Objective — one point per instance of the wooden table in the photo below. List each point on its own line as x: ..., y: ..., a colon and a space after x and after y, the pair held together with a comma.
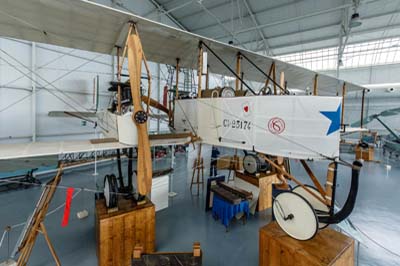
x: 118, y: 232
x: 327, y: 248
x: 264, y: 182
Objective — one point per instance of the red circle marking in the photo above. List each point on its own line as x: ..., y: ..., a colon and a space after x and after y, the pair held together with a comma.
x: 276, y: 125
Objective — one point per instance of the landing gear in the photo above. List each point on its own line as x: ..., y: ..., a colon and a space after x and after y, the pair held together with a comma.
x: 295, y: 215
x: 320, y: 208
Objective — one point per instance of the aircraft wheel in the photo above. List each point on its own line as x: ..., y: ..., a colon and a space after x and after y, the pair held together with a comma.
x: 295, y: 216
x: 320, y: 208
x: 110, y: 191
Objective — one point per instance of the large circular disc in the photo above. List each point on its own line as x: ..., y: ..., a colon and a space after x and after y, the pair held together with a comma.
x: 295, y: 216
x: 110, y: 189
x: 227, y: 92
x: 250, y: 163
x: 320, y: 208
x: 107, y: 190
x: 248, y: 93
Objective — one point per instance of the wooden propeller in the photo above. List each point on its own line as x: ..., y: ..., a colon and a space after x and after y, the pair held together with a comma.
x: 139, y: 117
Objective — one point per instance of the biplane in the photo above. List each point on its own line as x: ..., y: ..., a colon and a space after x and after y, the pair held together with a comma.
x: 270, y: 122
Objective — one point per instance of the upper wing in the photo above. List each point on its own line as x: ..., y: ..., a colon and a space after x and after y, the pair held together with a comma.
x: 93, y: 27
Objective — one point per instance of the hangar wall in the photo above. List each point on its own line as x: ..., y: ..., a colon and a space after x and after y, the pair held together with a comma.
x: 377, y: 100
x: 63, y: 79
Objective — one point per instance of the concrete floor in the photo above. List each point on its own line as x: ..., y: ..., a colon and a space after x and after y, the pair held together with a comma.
x: 377, y: 214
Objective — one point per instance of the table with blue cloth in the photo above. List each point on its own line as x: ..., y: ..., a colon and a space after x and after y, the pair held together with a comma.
x: 225, y: 210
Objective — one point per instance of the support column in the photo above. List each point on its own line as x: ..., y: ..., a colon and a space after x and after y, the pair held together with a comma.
x: 343, y: 94
x: 33, y: 96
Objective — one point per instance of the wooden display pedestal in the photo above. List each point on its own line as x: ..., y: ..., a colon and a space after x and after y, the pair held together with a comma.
x: 117, y: 233
x: 367, y: 154
x: 193, y: 258
x: 264, y: 182
x: 328, y: 247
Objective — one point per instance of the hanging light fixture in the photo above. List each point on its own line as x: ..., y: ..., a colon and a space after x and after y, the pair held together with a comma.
x: 355, y: 20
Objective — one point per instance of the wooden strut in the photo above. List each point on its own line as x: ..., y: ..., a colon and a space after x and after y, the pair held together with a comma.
x: 119, y: 80
x: 36, y: 223
x: 274, y: 78
x: 171, y: 120
x: 199, y: 70
x: 238, y: 69
x: 315, y: 181
x: 198, y: 171
x: 290, y: 177
x: 315, y: 93
x: 282, y: 81
x: 144, y: 162
x: 269, y: 74
x: 207, y: 77
x: 177, y: 80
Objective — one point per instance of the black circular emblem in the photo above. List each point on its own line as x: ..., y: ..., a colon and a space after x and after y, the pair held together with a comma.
x: 140, y: 117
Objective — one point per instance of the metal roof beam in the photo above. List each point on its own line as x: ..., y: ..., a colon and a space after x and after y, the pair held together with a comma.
x: 321, y: 12
x: 260, y: 32
x: 171, y: 17
x: 339, y: 23
x: 173, y: 9
x: 220, y: 24
x: 201, y: 11
x: 331, y: 37
x: 276, y: 8
x: 272, y: 37
x: 287, y: 20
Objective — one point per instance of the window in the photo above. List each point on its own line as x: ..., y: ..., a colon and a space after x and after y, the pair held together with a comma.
x: 385, y: 51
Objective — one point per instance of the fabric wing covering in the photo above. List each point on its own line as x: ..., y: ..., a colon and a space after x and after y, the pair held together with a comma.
x: 93, y: 27
x: 299, y: 127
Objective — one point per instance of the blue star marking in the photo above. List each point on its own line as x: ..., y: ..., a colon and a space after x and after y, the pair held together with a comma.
x: 334, y: 116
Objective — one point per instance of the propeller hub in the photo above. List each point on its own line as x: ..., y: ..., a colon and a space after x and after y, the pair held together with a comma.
x: 140, y: 117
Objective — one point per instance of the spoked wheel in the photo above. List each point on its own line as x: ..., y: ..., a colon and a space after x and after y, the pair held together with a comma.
x: 320, y: 208
x: 295, y: 216
x: 110, y: 191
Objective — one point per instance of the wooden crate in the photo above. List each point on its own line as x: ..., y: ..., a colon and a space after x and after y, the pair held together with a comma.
x: 264, y: 183
x: 168, y: 258
x: 117, y: 233
x: 328, y: 247
x: 365, y: 154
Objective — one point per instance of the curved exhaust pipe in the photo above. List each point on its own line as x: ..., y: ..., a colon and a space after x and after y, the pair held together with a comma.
x: 351, y: 198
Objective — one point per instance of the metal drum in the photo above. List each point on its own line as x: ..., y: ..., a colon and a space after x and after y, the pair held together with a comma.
x: 248, y: 93
x: 110, y: 191
x: 253, y: 164
x: 227, y: 92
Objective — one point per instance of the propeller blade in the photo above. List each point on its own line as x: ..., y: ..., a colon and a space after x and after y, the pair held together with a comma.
x: 139, y: 117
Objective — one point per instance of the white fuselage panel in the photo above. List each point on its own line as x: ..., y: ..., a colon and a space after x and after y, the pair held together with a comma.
x: 303, y: 127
